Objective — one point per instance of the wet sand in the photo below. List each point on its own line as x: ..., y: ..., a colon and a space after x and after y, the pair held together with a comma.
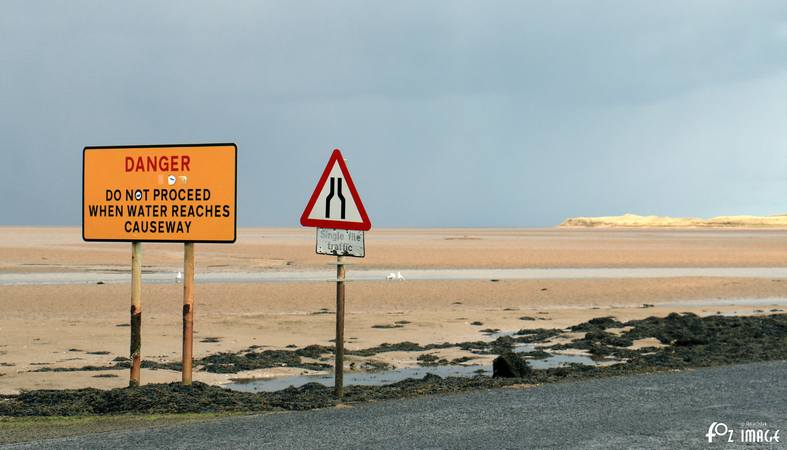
x: 361, y: 274
x: 57, y: 325
x: 62, y: 249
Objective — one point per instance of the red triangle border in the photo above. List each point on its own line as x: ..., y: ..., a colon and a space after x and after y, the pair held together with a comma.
x: 364, y: 225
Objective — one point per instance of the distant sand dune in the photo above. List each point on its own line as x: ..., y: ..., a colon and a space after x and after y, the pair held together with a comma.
x: 633, y: 220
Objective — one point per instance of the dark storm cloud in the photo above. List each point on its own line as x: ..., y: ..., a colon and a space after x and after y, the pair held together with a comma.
x: 450, y: 113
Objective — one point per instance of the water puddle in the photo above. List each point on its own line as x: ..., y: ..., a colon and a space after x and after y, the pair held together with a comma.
x: 392, y: 376
x: 359, y: 378
x: 110, y: 275
x: 558, y: 359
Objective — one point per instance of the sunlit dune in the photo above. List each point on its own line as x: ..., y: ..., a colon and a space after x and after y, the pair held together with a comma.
x: 634, y: 220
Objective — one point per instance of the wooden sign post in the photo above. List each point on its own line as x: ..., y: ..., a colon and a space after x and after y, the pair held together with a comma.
x: 160, y: 193
x: 341, y: 220
x: 136, y: 313
x: 339, y: 373
x: 188, y: 310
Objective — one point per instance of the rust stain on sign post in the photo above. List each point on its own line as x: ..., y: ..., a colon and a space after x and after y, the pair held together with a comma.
x: 136, y: 313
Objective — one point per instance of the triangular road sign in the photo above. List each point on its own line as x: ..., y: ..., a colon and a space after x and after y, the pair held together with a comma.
x: 335, y: 203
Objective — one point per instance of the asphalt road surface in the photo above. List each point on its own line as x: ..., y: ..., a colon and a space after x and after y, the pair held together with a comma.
x: 671, y: 410
x: 93, y: 277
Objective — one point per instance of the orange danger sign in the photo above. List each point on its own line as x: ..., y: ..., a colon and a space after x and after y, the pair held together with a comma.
x: 165, y: 193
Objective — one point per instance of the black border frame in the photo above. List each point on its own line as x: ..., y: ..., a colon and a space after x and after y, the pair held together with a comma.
x: 121, y: 147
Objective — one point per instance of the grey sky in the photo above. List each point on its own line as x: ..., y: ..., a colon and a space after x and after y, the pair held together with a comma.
x: 449, y: 113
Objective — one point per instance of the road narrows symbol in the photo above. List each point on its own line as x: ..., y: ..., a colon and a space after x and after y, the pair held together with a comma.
x: 341, y: 197
x: 328, y: 202
x: 334, y: 182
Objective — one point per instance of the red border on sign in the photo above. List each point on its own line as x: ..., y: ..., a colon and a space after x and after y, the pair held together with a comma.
x: 364, y: 225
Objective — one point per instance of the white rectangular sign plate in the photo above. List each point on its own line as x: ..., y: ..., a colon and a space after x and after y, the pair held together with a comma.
x: 340, y: 242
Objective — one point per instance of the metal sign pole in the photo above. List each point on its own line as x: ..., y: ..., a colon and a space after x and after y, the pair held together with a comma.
x: 339, y: 365
x: 188, y: 310
x: 136, y: 312
x: 335, y: 238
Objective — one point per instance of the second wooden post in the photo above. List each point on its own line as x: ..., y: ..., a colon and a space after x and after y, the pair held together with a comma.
x: 136, y: 313
x: 188, y: 310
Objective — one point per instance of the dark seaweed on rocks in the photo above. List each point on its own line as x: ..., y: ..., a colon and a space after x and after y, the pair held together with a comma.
x: 431, y: 360
x: 510, y: 365
x: 176, y: 398
x: 501, y: 345
x: 314, y: 351
x: 536, y: 354
x: 308, y: 396
x: 690, y: 341
x: 119, y: 363
x: 386, y: 347
x: 713, y: 340
x: 148, y: 364
x: 76, y: 369
x: 530, y: 336
x: 405, y: 346
x: 234, y: 362
x: 598, y: 324
x: 600, y: 343
x: 151, y: 398
x: 693, y: 341
x: 371, y: 365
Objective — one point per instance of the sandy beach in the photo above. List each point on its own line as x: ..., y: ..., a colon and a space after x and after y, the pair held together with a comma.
x: 57, y: 249
x: 61, y: 326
